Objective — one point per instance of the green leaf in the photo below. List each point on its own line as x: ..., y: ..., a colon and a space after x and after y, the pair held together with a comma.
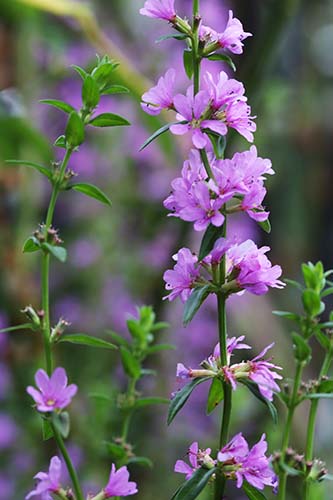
x: 265, y: 225
x: 252, y: 492
x: 302, y: 350
x: 148, y: 371
x: 193, y: 486
x: 90, y: 93
x: 24, y: 326
x: 43, y: 170
x: 83, y: 339
x: 59, y: 253
x: 101, y: 397
x: 215, y: 395
x: 47, y: 430
x: 116, y: 451
x: 311, y: 302
x: 74, y: 132
x: 31, y: 245
x: 130, y: 363
x: 287, y: 315
x: 103, y: 73
x: 115, y: 89
x: 156, y: 134
x: 319, y: 395
x: 160, y: 325
x: 108, y: 120
x: 135, y: 329
x: 291, y: 471
x: 117, y: 338
x: 212, y: 234
x: 83, y: 74
x: 63, y: 106
x: 62, y: 423
x: 176, y: 36
x: 92, y: 191
x: 325, y: 386
x: 60, y: 142
x: 255, y: 391
x: 224, y: 58
x: 294, y: 283
x: 188, y: 63
x: 194, y: 302
x: 160, y: 347
x: 144, y: 461
x: 219, y: 143
x: 323, y: 340
x: 140, y: 403
x: 182, y: 396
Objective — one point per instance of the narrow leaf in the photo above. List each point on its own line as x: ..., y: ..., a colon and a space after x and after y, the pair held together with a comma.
x: 60, y: 142
x: 156, y: 134
x: 265, y: 225
x: 215, y: 395
x: 74, y: 133
x: 130, y: 363
x: 142, y: 402
x: 302, y: 350
x: 194, y: 302
x: 92, y: 191
x: 63, y: 106
x: 145, y: 461
x: 116, y: 451
x: 43, y: 170
x: 188, y: 63
x: 24, y: 326
x: 212, y: 234
x: 117, y: 338
x: 83, y: 339
x: 252, y: 492
x: 31, y: 245
x: 160, y: 325
x: 193, y: 487
x: 59, y: 253
x: 115, y: 89
x: 47, y: 431
x: 224, y: 58
x: 182, y: 396
x: 160, y: 347
x: 294, y: 283
x: 83, y: 74
x: 319, y: 395
x: 255, y: 391
x: 108, y: 120
x: 176, y: 36
x: 62, y: 423
x: 90, y: 93
x: 287, y: 315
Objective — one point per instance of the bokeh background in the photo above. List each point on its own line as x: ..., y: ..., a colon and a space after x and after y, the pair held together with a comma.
x: 117, y: 256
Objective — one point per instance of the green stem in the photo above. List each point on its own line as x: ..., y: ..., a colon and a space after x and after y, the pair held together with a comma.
x: 195, y: 46
x: 287, y: 429
x: 70, y: 467
x: 45, y: 270
x: 205, y: 161
x: 128, y: 417
x: 311, y: 429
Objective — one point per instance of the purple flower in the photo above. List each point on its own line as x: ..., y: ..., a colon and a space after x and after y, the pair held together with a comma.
x: 161, y: 96
x: 159, y: 9
x: 119, y: 484
x: 183, y: 373
x: 251, y: 465
x: 263, y: 374
x: 53, y: 393
x: 48, y: 482
x: 181, y: 279
x: 233, y: 35
x: 196, y: 458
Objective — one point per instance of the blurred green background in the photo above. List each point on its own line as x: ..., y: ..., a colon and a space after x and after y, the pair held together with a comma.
x: 117, y: 256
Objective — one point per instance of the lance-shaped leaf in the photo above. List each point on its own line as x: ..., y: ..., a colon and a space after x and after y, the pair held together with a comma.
x: 255, y: 391
x: 60, y: 142
x: 108, y: 120
x: 188, y: 63
x: 288, y: 315
x: 91, y: 191
x: 142, y: 402
x: 158, y: 132
x: 194, y: 486
x: 31, y: 164
x: 31, y: 245
x: 160, y: 347
x: 74, y: 132
x: 59, y: 253
x: 312, y: 303
x: 115, y: 89
x: 61, y: 423
x: 224, y: 58
x: 83, y: 74
x: 90, y: 93
x: 88, y: 340
x: 194, y: 302
x: 176, y: 36
x: 182, y: 396
x: 252, y: 492
x: 302, y: 350
x: 144, y: 461
x: 130, y: 364
x: 63, y: 106
x: 47, y: 430
x: 212, y: 234
x: 117, y: 338
x: 265, y: 225
x: 215, y: 395
x: 24, y: 326
x: 116, y: 451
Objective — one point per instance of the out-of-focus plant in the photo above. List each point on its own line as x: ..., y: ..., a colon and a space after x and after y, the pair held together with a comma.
x: 289, y: 462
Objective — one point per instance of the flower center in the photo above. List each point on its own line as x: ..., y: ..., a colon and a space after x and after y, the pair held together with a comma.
x: 50, y: 402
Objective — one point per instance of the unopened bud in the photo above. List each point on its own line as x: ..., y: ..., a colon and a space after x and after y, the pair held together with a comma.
x: 32, y: 315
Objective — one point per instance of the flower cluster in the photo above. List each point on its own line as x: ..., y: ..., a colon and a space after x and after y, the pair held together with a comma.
x: 260, y: 371
x: 247, y: 268
x: 197, y: 198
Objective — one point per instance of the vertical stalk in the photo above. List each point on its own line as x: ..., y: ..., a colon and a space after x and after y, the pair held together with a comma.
x: 128, y: 417
x: 287, y: 429
x: 195, y: 46
x: 311, y: 430
x: 70, y: 467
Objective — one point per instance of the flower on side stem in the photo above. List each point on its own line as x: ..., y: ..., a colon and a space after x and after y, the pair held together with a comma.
x: 161, y: 96
x: 181, y: 279
x: 49, y: 482
x: 53, y: 392
x: 159, y: 9
x: 119, y: 484
x: 197, y: 458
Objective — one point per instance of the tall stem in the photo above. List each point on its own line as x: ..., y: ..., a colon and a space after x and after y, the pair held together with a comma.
x: 195, y: 46
x: 311, y: 430
x: 287, y: 429
x: 69, y: 465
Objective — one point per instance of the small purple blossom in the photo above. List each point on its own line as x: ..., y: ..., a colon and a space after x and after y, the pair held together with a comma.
x: 53, y: 392
x: 161, y: 96
x: 263, y: 374
x: 196, y: 458
x: 180, y: 280
x: 233, y: 35
x: 119, y: 484
x: 183, y: 373
x: 159, y: 9
x: 48, y: 482
x: 251, y: 465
